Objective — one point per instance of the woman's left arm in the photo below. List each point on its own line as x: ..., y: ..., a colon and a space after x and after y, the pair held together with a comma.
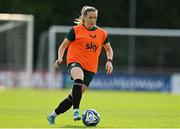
x: 109, y: 54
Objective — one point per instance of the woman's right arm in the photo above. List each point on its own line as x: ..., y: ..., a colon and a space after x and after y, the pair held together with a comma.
x: 61, y: 51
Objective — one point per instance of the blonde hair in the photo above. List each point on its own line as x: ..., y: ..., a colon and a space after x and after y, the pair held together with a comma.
x: 84, y: 12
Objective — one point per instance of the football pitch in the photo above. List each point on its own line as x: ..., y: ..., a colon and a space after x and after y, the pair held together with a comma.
x: 28, y: 108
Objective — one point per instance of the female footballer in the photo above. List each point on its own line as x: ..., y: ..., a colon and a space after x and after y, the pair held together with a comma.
x: 84, y: 42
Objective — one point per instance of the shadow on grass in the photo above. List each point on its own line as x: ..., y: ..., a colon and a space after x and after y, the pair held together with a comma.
x: 75, y: 126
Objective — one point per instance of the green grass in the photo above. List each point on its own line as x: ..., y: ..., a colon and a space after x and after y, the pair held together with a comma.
x: 29, y: 108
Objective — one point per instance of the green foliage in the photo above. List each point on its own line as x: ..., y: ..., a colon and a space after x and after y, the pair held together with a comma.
x: 113, y: 13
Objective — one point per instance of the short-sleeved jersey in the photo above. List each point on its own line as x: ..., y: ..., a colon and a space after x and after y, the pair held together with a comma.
x: 86, y: 47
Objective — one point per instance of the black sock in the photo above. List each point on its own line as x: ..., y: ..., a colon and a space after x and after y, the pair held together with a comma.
x: 77, y: 93
x: 64, y: 105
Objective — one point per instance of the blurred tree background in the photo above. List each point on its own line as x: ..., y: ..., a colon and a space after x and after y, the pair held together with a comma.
x: 112, y: 13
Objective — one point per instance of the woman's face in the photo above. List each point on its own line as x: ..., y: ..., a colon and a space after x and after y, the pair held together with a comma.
x: 90, y: 19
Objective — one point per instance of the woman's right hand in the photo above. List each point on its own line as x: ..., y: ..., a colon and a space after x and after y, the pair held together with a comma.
x: 58, y: 62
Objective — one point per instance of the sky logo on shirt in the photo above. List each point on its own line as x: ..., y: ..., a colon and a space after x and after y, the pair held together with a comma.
x: 91, y: 46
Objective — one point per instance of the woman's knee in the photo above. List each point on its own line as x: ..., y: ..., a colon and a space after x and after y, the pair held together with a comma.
x: 77, y: 73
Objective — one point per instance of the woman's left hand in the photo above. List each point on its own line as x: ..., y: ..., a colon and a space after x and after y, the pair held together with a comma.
x: 109, y: 67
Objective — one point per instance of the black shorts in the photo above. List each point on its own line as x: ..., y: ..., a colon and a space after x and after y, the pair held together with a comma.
x: 88, y: 76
